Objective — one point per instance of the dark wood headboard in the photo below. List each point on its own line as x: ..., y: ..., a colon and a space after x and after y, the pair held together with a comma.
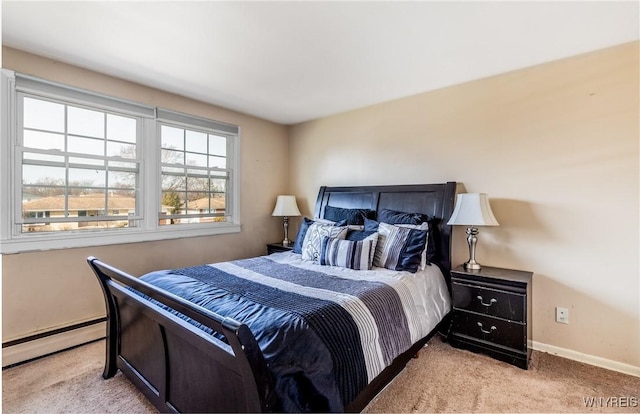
x: 434, y: 200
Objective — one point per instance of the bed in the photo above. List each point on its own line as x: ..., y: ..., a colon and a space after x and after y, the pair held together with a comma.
x: 290, y: 331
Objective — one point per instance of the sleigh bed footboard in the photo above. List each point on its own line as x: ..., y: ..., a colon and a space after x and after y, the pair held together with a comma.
x: 178, y: 366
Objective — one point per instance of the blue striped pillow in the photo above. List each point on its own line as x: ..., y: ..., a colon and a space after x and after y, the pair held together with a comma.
x: 356, y: 255
x: 400, y: 248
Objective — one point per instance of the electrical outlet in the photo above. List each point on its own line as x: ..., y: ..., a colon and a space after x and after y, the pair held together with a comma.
x: 562, y: 315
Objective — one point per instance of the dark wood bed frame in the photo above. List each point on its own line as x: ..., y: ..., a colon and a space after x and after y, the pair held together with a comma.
x: 181, y: 368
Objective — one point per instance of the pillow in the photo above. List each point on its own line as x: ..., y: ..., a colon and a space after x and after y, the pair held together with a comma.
x: 433, y: 241
x: 356, y: 255
x: 399, y: 217
x: 431, y: 253
x: 424, y: 257
x: 339, y: 223
x: 370, y: 225
x: 399, y: 248
x: 312, y: 244
x: 357, y: 235
x: 333, y: 223
x: 302, y: 231
x: 351, y: 215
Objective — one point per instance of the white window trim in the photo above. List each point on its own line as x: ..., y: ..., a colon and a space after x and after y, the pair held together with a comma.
x: 150, y: 230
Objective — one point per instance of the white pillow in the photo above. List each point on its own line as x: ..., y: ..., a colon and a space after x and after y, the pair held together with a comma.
x: 312, y: 244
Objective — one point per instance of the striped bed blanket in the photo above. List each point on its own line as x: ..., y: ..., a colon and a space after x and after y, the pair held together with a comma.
x: 325, y: 332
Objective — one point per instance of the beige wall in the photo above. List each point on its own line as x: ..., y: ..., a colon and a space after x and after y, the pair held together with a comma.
x: 556, y: 148
x: 46, y: 290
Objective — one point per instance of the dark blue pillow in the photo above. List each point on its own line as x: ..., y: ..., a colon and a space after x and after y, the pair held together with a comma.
x: 399, y: 217
x: 410, y: 256
x: 353, y: 216
x: 302, y: 231
x: 433, y: 254
x: 357, y: 235
x: 370, y: 225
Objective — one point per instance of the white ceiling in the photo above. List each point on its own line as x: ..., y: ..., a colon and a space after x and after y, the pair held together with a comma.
x: 294, y: 61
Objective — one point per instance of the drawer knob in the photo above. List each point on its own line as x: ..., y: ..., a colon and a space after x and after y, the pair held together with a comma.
x: 493, y: 328
x: 491, y: 302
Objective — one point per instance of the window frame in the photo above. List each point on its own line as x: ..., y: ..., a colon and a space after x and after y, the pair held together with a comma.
x: 199, y: 125
x: 149, y: 187
x: 20, y: 149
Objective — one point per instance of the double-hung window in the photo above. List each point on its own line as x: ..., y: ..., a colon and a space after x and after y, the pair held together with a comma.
x: 80, y: 169
x: 195, y: 170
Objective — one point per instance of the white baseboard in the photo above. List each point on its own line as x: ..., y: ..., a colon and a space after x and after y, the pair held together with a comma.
x: 49, y: 344
x: 587, y: 359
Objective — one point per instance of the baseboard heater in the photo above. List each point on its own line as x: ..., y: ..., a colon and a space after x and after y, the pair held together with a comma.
x: 45, y: 343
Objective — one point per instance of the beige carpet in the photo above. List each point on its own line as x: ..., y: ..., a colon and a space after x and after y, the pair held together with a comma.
x: 70, y: 382
x: 445, y: 379
x: 442, y: 379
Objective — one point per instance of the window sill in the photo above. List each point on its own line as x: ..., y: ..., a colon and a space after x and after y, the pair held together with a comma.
x: 33, y: 243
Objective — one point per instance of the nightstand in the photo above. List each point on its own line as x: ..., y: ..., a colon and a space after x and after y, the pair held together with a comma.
x: 492, y: 313
x: 278, y: 247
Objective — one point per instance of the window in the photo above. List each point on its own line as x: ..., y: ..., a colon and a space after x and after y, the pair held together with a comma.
x: 102, y: 170
x: 76, y: 160
x: 194, y: 175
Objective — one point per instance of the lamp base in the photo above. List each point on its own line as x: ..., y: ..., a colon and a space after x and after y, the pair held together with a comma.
x: 472, y: 266
x: 286, y: 242
x: 472, y: 239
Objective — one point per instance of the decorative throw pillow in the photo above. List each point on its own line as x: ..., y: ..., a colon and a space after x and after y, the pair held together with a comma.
x: 370, y: 225
x: 357, y: 255
x: 357, y: 235
x: 398, y: 217
x: 302, y: 231
x: 312, y: 245
x: 433, y: 241
x: 354, y: 216
x: 304, y: 226
x: 399, y: 248
x: 423, y: 227
x: 430, y: 253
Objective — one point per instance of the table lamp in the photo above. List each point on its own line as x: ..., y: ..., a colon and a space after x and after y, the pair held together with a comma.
x: 286, y: 207
x: 472, y: 209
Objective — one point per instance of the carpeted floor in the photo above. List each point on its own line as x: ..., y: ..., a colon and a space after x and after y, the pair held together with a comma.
x: 70, y: 382
x: 441, y: 379
x: 445, y: 379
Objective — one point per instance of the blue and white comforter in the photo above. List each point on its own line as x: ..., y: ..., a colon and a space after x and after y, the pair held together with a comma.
x: 325, y: 332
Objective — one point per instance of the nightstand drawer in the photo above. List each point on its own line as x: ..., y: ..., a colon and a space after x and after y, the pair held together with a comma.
x: 507, y: 305
x: 497, y: 331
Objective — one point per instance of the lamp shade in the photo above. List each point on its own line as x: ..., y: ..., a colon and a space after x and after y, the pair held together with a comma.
x: 286, y: 206
x: 473, y: 209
